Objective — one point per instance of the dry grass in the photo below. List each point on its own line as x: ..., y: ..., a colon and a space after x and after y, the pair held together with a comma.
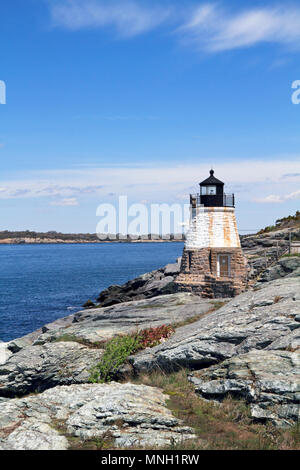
x: 67, y: 337
x: 218, y: 427
x: 104, y: 442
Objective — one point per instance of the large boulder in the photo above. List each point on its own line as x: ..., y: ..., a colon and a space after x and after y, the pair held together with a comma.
x: 287, y: 266
x: 264, y: 318
x: 262, y: 250
x: 36, y: 368
x: 172, y: 269
x: 153, y: 284
x: 268, y: 380
x: 133, y: 415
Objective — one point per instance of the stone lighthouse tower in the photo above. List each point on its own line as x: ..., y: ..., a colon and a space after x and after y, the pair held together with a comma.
x: 213, y: 264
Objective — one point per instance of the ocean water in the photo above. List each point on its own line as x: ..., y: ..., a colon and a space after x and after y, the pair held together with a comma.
x: 40, y: 283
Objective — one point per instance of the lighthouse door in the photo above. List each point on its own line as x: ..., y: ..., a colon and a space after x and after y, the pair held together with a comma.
x: 223, y: 265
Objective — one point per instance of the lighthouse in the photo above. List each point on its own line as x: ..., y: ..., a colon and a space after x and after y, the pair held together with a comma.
x: 213, y: 264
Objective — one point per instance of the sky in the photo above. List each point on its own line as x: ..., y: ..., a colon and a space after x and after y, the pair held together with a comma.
x: 141, y: 98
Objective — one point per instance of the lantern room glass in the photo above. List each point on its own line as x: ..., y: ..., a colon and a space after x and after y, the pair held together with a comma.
x: 208, y: 190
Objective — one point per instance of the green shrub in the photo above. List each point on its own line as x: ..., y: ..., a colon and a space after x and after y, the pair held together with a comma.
x: 118, y: 349
x: 116, y: 352
x: 290, y: 255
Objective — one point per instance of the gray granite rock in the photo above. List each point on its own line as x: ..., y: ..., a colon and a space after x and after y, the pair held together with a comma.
x: 152, y: 284
x: 5, y: 353
x: 268, y: 380
x: 135, y: 415
x: 101, y: 324
x: 47, y: 362
x: 258, y: 319
x: 172, y: 269
x: 37, y: 368
x: 263, y: 250
x: 287, y: 266
x: 31, y: 434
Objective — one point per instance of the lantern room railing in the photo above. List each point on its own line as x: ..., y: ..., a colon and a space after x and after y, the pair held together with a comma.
x: 223, y: 200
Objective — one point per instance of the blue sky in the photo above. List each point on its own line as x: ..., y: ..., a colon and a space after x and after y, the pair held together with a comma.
x: 141, y: 98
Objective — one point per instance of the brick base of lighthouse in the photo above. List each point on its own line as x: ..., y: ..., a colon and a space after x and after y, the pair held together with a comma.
x: 199, y: 272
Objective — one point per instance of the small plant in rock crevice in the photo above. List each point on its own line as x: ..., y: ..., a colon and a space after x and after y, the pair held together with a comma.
x: 118, y: 349
x: 153, y: 336
x: 115, y: 354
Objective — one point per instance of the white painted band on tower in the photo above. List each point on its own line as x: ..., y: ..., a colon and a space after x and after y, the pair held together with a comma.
x: 212, y: 227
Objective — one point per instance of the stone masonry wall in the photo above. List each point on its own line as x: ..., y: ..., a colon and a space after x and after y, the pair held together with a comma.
x: 199, y: 272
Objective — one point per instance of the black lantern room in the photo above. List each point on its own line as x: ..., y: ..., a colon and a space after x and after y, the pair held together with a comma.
x: 212, y: 193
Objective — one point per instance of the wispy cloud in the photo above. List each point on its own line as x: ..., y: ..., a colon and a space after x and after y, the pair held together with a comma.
x: 210, y: 27
x: 46, y: 188
x: 291, y: 175
x: 213, y: 28
x: 128, y: 18
x: 278, y: 199
x: 68, y: 201
x: 254, y: 180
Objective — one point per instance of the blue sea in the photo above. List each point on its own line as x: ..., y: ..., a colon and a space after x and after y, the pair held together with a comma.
x: 40, y: 283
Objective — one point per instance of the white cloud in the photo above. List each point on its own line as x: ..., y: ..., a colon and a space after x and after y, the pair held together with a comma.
x: 70, y: 201
x: 271, y: 199
x: 128, y: 18
x: 276, y: 199
x: 214, y: 29
x: 50, y: 187
x: 210, y: 26
x: 294, y: 195
x: 254, y: 180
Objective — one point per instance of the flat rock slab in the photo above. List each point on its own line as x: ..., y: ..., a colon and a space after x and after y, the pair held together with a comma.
x: 36, y: 368
x: 268, y: 380
x: 134, y: 415
x: 266, y: 318
x: 286, y: 266
x: 101, y: 324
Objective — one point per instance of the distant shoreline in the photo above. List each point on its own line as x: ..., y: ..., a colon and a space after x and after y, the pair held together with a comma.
x: 28, y: 237
x: 12, y: 241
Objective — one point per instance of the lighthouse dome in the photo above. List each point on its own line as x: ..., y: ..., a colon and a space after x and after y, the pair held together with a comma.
x: 212, y: 180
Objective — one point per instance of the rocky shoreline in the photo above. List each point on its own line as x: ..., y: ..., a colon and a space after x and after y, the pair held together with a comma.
x: 246, y: 347
x: 262, y: 252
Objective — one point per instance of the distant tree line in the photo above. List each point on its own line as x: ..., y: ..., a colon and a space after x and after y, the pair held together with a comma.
x: 88, y: 237
x: 50, y: 235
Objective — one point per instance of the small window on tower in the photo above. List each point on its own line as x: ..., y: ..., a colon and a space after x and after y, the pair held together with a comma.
x: 211, y: 190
